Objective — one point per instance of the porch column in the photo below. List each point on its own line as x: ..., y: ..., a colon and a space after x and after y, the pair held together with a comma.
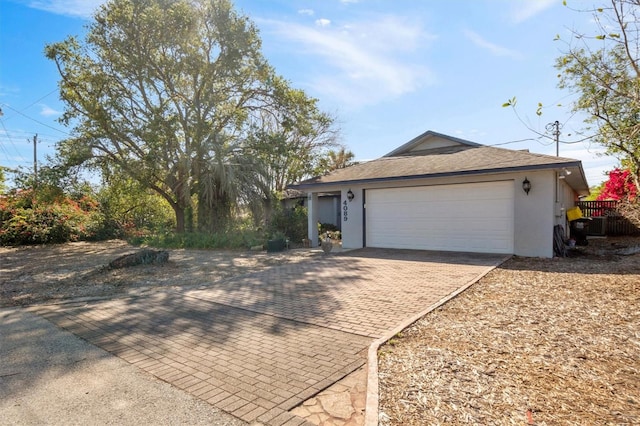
x: 312, y: 215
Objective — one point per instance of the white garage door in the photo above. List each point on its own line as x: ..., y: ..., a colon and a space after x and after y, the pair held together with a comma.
x: 473, y: 217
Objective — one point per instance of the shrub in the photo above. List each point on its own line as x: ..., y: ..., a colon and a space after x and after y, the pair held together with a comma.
x: 133, y: 212
x: 234, y: 238
x: 25, y: 220
x: 290, y: 222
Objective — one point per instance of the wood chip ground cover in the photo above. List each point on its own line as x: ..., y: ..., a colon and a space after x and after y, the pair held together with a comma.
x: 536, y: 341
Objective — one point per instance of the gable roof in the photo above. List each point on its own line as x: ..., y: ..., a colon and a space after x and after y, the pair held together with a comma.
x: 435, y: 155
x: 429, y: 140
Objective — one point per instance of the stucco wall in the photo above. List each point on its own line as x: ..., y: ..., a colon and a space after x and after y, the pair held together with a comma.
x: 534, y: 214
x: 567, y: 198
x: 352, y: 218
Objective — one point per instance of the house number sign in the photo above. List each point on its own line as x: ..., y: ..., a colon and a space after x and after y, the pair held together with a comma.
x: 345, y: 211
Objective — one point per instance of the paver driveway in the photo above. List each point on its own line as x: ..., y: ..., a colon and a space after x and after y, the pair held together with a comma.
x: 259, y: 344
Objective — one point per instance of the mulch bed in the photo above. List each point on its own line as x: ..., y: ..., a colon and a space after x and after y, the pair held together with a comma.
x: 536, y: 341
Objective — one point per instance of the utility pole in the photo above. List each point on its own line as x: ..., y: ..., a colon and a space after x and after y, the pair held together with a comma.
x: 554, y: 128
x: 35, y: 161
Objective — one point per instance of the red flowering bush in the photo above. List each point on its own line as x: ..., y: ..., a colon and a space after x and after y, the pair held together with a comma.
x: 619, y: 186
x: 29, y: 219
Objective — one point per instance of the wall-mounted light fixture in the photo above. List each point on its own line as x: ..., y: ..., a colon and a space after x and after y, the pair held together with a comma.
x: 564, y: 173
x: 526, y: 185
x: 350, y: 195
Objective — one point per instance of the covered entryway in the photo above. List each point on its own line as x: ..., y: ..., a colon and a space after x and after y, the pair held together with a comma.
x: 470, y: 217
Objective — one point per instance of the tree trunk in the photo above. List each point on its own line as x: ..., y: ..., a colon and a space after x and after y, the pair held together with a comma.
x: 179, y: 212
x: 189, y: 219
x: 267, y: 205
x: 214, y: 216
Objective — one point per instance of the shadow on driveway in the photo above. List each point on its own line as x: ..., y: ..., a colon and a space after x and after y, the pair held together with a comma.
x: 259, y: 344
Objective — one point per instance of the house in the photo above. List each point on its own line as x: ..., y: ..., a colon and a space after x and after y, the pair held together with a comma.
x: 438, y: 192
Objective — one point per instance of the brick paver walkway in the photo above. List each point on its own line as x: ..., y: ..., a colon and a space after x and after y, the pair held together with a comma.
x: 258, y: 345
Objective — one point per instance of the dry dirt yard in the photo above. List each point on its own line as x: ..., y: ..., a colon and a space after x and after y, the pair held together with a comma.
x: 47, y: 274
x: 535, y: 342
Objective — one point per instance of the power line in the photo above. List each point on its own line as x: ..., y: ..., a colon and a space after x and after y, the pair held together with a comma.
x: 10, y: 141
x: 37, y: 121
x: 6, y: 153
x: 510, y: 142
x: 19, y: 133
x: 36, y: 101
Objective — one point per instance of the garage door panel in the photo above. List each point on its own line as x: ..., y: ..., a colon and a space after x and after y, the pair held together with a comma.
x: 468, y: 217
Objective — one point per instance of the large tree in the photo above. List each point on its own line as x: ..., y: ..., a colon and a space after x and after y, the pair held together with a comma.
x: 164, y: 91
x: 602, y: 68
x: 288, y: 144
x: 334, y: 160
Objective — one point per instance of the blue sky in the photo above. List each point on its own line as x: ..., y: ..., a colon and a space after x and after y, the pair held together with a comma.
x: 389, y: 70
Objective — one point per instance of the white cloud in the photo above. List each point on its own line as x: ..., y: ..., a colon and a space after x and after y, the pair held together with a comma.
x: 323, y: 22
x: 363, y: 62
x: 47, y: 111
x: 8, y: 90
x: 494, y: 49
x: 308, y: 12
x: 525, y: 9
x: 77, y: 8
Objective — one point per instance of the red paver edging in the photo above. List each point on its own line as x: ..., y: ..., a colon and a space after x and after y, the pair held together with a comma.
x: 372, y: 404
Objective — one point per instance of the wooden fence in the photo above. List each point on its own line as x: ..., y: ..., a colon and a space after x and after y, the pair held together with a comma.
x: 607, y: 220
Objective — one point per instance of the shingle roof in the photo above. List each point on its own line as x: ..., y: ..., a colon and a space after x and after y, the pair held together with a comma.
x: 440, y: 162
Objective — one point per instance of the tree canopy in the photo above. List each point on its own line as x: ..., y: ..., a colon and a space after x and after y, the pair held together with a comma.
x: 177, y: 95
x: 602, y: 68
x: 334, y: 160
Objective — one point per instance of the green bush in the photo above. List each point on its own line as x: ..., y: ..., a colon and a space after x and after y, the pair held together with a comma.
x: 131, y: 211
x: 235, y: 238
x: 290, y: 222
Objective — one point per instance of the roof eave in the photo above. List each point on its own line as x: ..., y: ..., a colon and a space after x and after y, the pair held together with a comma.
x: 303, y: 186
x: 584, y: 191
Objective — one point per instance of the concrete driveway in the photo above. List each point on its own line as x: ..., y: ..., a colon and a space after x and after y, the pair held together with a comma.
x: 257, y: 345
